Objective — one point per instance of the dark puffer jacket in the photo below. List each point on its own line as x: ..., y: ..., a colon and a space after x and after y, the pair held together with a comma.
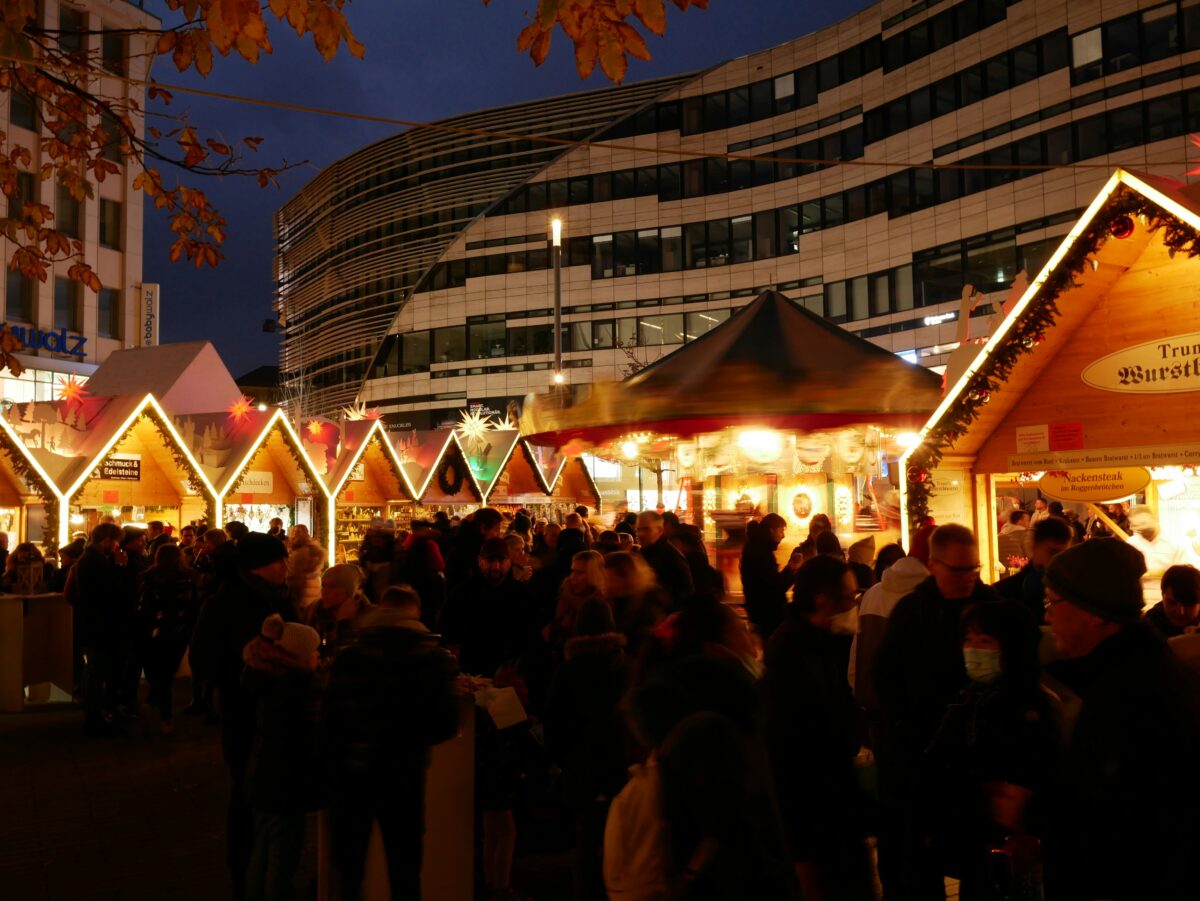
x: 99, y: 599
x: 169, y: 607
x: 390, y: 697
x: 764, y: 585
x: 1125, y: 821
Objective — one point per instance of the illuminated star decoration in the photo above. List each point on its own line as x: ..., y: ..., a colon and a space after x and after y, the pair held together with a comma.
x: 71, y: 391
x: 473, y: 429
x: 358, y: 411
x: 316, y: 428
x: 241, y: 408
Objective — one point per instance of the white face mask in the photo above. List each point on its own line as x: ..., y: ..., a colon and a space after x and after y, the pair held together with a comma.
x: 983, y: 666
x: 844, y: 623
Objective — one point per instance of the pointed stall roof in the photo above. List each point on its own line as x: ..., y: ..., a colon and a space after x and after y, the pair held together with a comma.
x: 419, y: 453
x: 1043, y: 323
x: 248, y: 438
x: 453, y: 452
x: 772, y: 363
x: 357, y: 437
x: 188, y: 377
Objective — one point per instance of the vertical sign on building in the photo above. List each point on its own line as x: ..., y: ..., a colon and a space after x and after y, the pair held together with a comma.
x: 148, y: 316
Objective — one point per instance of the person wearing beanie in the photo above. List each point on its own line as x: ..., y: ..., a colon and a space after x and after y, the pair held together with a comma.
x: 282, y: 781
x: 586, y: 735
x: 1123, y: 824
x: 229, y: 620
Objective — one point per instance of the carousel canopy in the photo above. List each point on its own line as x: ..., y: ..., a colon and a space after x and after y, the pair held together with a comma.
x: 773, y: 364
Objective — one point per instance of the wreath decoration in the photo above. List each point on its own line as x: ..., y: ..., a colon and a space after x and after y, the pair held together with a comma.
x: 450, y: 477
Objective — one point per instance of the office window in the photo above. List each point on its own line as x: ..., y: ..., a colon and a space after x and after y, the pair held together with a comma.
x: 1091, y: 138
x: 1190, y: 16
x: 658, y: 330
x: 1125, y: 127
x: 19, y: 297
x: 996, y: 75
x: 694, y: 246
x: 716, y: 176
x: 693, y: 178
x: 624, y: 184
x: 72, y: 29
x: 949, y: 184
x: 627, y: 332
x: 112, y: 52
x: 667, y: 117
x: 992, y: 267
x: 902, y: 288
x: 1034, y: 256
x: 579, y: 335
x: 1087, y: 56
x: 414, y: 352
x: 739, y: 106
x: 789, y: 229
x: 68, y: 213
x: 856, y: 204
x: 741, y: 174
x: 556, y: 194
x: 857, y: 298
x: 1058, y: 146
x: 26, y: 185
x: 900, y: 193
x: 603, y: 334
x: 540, y: 338
x: 806, y: 86
x: 602, y: 256
x: 920, y: 110
x: 1160, y: 32
x: 718, y: 242
x: 485, y: 339
x: 669, y: 185
x: 945, y: 96
x: 625, y: 253
x: 785, y: 93
x: 1164, y: 117
x: 939, y: 279
x: 970, y: 86
x: 1056, y: 51
x: 880, y: 294
x: 828, y: 73
x: 693, y: 116
x: 833, y: 211
x: 646, y: 181
x: 701, y: 323
x: 1121, y: 45
x: 108, y: 313
x: 68, y: 304
x: 893, y: 53
x: 648, y: 251
x: 924, y: 186
x: 449, y: 344
x: 110, y: 224
x: 942, y: 30
x: 537, y: 197
x: 835, y: 302
x: 741, y: 239
x: 671, y: 244
x: 765, y: 245
x: 22, y: 109
x: 810, y: 216
x: 715, y: 111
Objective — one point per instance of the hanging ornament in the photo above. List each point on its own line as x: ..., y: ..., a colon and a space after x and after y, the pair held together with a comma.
x: 1028, y: 342
x: 1121, y: 227
x: 917, y: 475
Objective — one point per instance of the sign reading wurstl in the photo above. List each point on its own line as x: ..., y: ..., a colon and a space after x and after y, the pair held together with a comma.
x: 1094, y: 485
x: 1163, y: 366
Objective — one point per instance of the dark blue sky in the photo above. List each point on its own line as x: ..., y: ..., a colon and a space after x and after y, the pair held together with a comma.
x: 425, y: 60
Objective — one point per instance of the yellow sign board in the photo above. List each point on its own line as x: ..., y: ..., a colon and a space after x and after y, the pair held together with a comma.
x: 1094, y: 485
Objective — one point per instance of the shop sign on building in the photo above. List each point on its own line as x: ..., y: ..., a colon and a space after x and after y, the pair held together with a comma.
x: 1094, y: 485
x: 1162, y: 366
x: 148, y: 315
x: 1097, y: 457
x: 257, y: 483
x: 122, y: 468
x: 55, y: 342
x: 950, y: 501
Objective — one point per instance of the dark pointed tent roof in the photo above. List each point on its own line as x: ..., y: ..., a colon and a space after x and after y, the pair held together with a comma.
x: 772, y: 363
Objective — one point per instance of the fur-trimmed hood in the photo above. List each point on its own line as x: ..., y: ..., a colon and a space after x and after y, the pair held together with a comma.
x: 604, y: 643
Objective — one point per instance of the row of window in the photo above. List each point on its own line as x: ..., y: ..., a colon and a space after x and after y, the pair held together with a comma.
x: 993, y: 76
x: 68, y: 211
x: 416, y: 351
x: 20, y: 305
x: 1134, y: 40
x: 772, y: 233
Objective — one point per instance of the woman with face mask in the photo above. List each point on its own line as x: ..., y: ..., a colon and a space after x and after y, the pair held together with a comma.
x: 995, y: 751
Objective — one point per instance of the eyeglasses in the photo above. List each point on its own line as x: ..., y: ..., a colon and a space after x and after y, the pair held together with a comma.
x: 961, y: 570
x: 1049, y: 602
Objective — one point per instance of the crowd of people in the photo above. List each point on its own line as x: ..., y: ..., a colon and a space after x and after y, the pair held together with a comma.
x: 692, y: 751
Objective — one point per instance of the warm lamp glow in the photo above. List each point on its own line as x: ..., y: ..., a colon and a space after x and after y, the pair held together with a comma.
x: 908, y: 440
x: 241, y: 407
x: 262, y: 408
x: 71, y: 390
x: 556, y: 232
x: 558, y: 378
x: 761, y: 445
x: 629, y: 450
x: 315, y: 428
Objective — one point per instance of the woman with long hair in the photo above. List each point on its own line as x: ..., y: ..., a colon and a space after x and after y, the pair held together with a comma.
x: 584, y: 582
x: 168, y: 609
x: 306, y: 560
x: 638, y: 604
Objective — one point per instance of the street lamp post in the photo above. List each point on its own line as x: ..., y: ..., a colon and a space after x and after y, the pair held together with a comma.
x: 556, y: 251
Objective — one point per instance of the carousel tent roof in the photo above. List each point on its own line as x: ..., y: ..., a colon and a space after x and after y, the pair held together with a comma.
x: 772, y: 363
x: 1075, y: 290
x: 186, y: 378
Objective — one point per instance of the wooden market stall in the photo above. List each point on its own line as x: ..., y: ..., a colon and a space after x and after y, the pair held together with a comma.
x: 451, y: 485
x: 133, y: 465
x: 575, y: 486
x: 366, y: 482
x: 526, y: 480
x: 28, y: 494
x: 273, y: 477
x: 1087, y: 390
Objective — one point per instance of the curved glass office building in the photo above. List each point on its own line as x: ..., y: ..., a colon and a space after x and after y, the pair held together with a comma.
x: 415, y: 275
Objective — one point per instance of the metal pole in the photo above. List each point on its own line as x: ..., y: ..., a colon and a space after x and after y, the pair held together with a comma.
x: 641, y: 497
x: 556, y: 250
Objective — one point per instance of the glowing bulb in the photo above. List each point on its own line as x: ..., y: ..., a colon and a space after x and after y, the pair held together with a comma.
x: 558, y: 378
x: 908, y: 440
x: 262, y: 408
x: 629, y: 450
x: 77, y: 519
x: 761, y: 445
x: 556, y: 232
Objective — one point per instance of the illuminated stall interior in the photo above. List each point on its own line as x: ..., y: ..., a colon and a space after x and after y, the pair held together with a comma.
x: 1087, y: 392
x: 275, y: 479
x: 774, y: 410
x: 24, y: 493
x: 132, y: 465
x: 366, y: 483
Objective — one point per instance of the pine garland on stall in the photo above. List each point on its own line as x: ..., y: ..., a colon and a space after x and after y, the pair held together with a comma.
x: 320, y: 502
x: 27, y: 474
x: 1029, y: 331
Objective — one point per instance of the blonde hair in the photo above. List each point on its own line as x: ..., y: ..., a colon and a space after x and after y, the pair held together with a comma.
x: 595, y: 569
x: 346, y: 576
x: 633, y: 568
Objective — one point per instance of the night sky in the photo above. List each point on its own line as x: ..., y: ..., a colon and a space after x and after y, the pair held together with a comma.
x: 424, y: 61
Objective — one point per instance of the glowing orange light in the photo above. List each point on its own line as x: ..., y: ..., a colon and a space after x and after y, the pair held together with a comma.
x: 372, y: 414
x: 71, y: 390
x: 315, y: 428
x: 241, y: 407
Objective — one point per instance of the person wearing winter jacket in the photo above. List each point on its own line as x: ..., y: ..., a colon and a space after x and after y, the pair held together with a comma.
x: 391, y: 696
x: 168, y: 610
x: 764, y: 585
x: 897, y: 581
x: 98, y: 601
x: 585, y: 733
x: 306, y: 559
x: 282, y: 778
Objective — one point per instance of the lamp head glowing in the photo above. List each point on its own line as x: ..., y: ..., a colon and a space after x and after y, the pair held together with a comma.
x: 908, y: 440
x: 761, y: 445
x: 558, y: 378
x: 556, y: 232
x: 629, y: 450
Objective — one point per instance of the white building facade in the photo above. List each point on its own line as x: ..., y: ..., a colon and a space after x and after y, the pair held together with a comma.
x: 870, y: 171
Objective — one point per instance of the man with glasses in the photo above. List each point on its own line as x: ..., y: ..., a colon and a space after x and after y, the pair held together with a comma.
x: 918, y: 671
x: 1125, y: 822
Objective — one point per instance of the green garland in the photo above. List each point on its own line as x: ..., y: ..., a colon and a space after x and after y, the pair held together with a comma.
x: 320, y: 502
x: 27, y: 474
x: 1029, y: 331
x: 450, y: 477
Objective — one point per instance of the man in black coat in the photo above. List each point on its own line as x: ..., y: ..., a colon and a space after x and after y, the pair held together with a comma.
x: 919, y: 670
x: 391, y: 697
x: 229, y: 620
x: 669, y: 565
x: 764, y: 585
x: 1051, y: 536
x: 99, y: 600
x: 487, y: 617
x: 1125, y: 822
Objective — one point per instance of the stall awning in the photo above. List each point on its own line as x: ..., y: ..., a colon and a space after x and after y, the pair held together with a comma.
x: 772, y: 364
